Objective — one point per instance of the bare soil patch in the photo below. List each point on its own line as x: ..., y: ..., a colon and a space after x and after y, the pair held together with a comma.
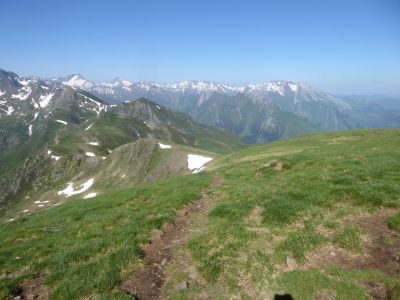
x: 381, y: 250
x: 146, y: 283
x: 34, y: 289
x: 383, y: 246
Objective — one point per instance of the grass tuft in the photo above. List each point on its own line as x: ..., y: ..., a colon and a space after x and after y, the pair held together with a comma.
x: 349, y: 238
x: 394, y: 222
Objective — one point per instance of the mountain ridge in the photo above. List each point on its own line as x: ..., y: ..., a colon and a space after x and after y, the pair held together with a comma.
x: 284, y: 104
x: 324, y: 112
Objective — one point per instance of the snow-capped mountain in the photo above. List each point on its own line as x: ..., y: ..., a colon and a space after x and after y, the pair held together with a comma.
x: 31, y: 99
x: 257, y: 112
x: 122, y: 90
x: 76, y: 81
x: 193, y: 86
x: 187, y: 86
x: 323, y: 110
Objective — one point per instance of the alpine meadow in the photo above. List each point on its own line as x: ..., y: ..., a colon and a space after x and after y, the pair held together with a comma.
x: 210, y: 150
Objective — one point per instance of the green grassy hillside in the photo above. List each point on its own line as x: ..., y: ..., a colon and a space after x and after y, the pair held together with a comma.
x: 179, y: 128
x: 313, y: 216
x: 85, y: 247
x: 307, y: 216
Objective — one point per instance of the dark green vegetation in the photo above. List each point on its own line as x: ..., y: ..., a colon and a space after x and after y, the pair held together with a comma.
x: 12, y: 133
x: 394, y: 222
x: 303, y: 216
x: 86, y: 247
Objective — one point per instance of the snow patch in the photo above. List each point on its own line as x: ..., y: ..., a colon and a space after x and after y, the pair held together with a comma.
x: 91, y: 154
x: 45, y: 100
x: 9, y: 110
x: 69, y: 190
x: 62, y: 122
x: 158, y: 107
x: 93, y: 143
x: 100, y: 106
x: 77, y: 81
x: 30, y: 130
x: 90, y: 195
x: 48, y: 152
x: 41, y: 202
x: 23, y: 93
x: 126, y: 82
x: 87, y: 128
x: 2, y: 93
x: 293, y: 87
x: 55, y: 157
x: 163, y: 146
x: 23, y: 81
x: 196, y: 162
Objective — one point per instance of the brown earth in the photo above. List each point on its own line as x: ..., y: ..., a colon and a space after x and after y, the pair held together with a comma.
x: 146, y: 283
x: 34, y: 289
x: 381, y: 250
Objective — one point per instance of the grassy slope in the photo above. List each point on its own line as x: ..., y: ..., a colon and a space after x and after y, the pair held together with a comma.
x: 262, y: 219
x: 181, y: 129
x: 86, y: 247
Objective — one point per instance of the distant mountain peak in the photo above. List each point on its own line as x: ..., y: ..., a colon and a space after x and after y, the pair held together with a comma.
x: 276, y: 86
x: 76, y: 81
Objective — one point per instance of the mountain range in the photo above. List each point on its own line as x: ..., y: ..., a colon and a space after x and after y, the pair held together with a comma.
x: 257, y: 112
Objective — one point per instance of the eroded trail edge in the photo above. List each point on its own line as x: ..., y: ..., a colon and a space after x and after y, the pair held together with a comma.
x: 146, y: 283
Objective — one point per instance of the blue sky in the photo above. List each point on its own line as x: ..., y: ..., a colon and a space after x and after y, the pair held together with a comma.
x: 339, y: 46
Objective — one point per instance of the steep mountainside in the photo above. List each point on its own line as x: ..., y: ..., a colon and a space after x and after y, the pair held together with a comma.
x: 256, y: 121
x: 376, y: 111
x: 177, y: 127
x: 25, y: 103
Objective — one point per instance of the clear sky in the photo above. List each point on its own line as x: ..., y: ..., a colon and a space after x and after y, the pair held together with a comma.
x: 341, y: 46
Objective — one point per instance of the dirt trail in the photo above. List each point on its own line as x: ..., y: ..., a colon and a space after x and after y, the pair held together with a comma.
x: 147, y: 282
